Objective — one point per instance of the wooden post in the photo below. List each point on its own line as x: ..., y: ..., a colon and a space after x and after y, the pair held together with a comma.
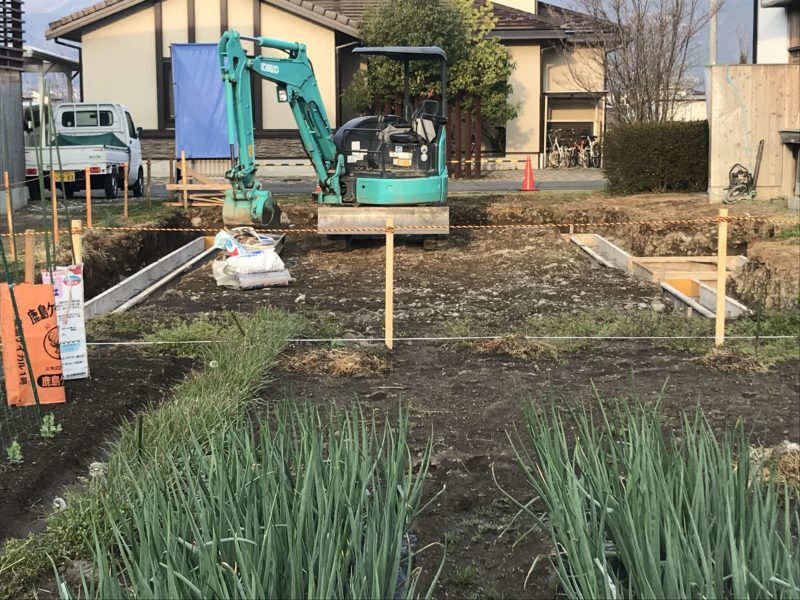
x: 389, y: 309
x: 10, y: 215
x: 54, y: 203
x: 29, y: 262
x: 478, y: 136
x: 457, y: 125
x: 468, y: 148
x: 722, y: 263
x: 149, y: 182
x: 184, y: 180
x: 77, y: 249
x: 125, y: 190
x: 88, y: 198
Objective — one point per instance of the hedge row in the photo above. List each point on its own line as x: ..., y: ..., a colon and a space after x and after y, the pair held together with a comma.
x: 657, y: 157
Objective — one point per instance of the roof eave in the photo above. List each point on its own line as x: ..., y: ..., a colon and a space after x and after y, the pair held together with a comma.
x: 73, y: 29
x: 521, y: 35
x: 321, y: 17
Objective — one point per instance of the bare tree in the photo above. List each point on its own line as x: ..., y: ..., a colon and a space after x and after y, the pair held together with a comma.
x: 642, y: 49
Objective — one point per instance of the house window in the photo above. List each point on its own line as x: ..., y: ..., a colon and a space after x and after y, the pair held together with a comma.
x: 168, y: 101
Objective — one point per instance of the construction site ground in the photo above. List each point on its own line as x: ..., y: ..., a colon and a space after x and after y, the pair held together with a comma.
x: 469, y: 398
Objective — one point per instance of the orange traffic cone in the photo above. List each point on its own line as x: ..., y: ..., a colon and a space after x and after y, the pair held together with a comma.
x: 528, y: 184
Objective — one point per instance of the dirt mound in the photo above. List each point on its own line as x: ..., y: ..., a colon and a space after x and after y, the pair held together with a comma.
x: 771, y: 276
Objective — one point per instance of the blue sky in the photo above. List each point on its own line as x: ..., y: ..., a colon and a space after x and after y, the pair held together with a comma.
x: 736, y: 15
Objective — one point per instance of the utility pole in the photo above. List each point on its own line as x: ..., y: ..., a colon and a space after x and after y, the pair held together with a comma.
x: 712, y: 33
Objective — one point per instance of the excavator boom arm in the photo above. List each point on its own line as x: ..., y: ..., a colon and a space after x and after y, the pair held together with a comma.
x: 296, y: 85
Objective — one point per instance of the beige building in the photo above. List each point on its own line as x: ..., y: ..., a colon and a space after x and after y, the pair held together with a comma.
x: 125, y: 54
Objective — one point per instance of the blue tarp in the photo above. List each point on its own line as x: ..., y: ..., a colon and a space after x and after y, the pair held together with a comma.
x: 200, y: 125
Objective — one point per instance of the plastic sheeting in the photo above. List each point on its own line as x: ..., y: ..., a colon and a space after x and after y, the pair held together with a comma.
x: 200, y: 122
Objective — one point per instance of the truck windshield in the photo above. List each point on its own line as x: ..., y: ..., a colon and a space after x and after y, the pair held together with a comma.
x: 87, y: 118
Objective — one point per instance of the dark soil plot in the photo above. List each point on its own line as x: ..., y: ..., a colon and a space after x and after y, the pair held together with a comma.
x: 471, y: 402
x: 122, y: 382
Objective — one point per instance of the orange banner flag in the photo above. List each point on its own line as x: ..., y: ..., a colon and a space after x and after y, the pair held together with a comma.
x: 36, y: 304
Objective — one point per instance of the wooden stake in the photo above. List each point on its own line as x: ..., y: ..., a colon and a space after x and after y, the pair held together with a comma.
x: 149, y: 182
x: 389, y: 310
x: 29, y: 263
x: 722, y: 263
x: 10, y: 214
x: 54, y: 203
x: 88, y: 198
x: 184, y: 180
x: 125, y: 190
x: 77, y: 248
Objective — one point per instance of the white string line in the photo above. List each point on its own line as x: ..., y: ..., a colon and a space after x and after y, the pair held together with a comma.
x: 461, y: 338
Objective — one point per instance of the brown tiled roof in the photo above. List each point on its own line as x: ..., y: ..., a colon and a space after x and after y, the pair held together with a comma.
x: 345, y: 15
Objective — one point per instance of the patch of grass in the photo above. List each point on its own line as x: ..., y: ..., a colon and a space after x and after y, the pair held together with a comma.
x: 106, y: 326
x: 178, y: 336
x: 767, y: 323
x: 201, y: 406
x: 138, y: 213
x: 687, y: 334
x: 465, y: 575
x: 791, y: 233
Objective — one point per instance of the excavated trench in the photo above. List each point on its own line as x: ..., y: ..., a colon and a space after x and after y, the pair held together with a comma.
x: 110, y: 257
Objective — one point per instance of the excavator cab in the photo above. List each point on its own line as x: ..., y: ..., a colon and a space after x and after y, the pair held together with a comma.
x: 394, y: 165
x: 398, y: 159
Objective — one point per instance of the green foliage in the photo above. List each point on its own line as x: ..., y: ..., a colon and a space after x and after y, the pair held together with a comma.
x: 478, y: 66
x: 635, y: 513
x: 791, y: 233
x: 310, y: 506
x: 204, y: 404
x: 112, y: 324
x: 768, y: 323
x: 49, y: 428
x: 656, y: 157
x: 14, y: 453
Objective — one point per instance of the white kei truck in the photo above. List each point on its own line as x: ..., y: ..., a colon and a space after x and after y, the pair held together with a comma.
x: 99, y: 137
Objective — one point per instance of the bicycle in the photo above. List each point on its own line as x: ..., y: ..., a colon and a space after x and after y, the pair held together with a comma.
x: 593, y: 152
x: 556, y: 154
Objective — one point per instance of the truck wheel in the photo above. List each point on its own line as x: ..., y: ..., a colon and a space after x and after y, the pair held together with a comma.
x: 33, y: 189
x: 138, y: 187
x: 111, y: 184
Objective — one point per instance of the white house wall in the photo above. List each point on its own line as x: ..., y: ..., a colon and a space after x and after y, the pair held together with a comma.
x: 772, y: 36
x: 119, y: 65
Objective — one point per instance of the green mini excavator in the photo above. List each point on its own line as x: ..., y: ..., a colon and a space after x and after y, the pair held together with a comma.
x: 372, y: 168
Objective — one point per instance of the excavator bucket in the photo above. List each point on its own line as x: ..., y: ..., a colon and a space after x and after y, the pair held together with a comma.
x: 261, y: 211
x: 371, y: 220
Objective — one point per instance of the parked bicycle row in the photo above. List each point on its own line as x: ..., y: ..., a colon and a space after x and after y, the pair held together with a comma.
x: 569, y: 148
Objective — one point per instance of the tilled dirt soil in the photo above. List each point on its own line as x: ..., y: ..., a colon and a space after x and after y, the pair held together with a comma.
x: 469, y: 402
x: 122, y: 382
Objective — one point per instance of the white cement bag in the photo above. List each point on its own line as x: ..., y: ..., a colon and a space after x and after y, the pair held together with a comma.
x: 265, y: 261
